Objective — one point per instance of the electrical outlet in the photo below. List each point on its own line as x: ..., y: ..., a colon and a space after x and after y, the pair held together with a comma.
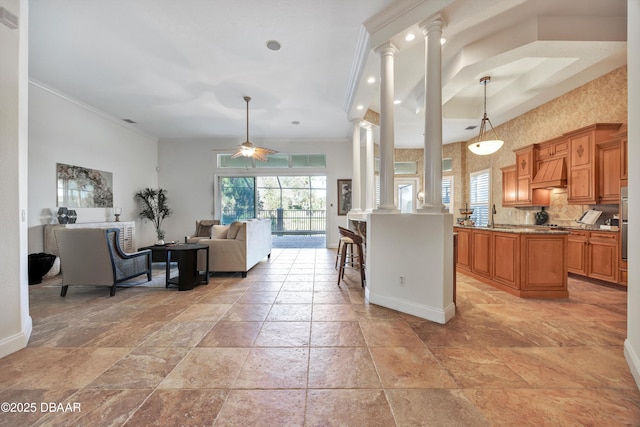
x: 402, y: 280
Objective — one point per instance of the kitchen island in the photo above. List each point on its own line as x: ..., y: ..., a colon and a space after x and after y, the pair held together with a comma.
x: 526, y: 262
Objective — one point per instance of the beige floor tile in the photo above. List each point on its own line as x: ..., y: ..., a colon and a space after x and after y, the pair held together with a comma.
x: 342, y: 367
x: 207, y: 368
x: 393, y: 333
x: 333, y: 312
x: 203, y: 313
x: 348, y: 408
x: 178, y: 334
x: 336, y: 334
x: 284, y: 334
x: 263, y: 408
x: 231, y: 334
x: 247, y: 313
x: 282, y: 368
x: 410, y: 367
x: 291, y: 297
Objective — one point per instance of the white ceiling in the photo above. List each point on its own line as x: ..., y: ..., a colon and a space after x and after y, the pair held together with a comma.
x: 181, y: 69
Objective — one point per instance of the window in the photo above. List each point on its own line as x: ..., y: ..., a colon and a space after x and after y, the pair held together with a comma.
x: 480, y: 184
x: 447, y: 192
x: 447, y: 165
x: 283, y: 161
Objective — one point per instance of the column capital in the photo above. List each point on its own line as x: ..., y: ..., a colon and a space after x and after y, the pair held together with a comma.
x: 434, y: 23
x: 357, y: 122
x: 387, y: 48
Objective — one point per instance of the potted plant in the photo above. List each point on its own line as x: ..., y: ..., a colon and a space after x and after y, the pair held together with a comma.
x: 153, y: 203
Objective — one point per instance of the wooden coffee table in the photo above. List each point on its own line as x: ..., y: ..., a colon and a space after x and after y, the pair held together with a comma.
x: 186, y: 255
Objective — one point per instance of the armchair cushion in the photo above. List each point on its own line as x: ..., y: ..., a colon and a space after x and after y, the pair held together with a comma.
x: 204, y: 230
x: 219, y: 231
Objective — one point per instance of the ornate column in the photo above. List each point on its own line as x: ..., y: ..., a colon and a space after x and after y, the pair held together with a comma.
x: 433, y: 116
x: 356, y: 199
x: 387, y: 205
x: 370, y: 173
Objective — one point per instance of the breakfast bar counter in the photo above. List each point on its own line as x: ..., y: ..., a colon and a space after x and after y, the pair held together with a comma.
x: 528, y: 262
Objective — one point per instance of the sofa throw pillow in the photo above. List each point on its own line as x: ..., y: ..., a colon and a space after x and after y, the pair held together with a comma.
x: 204, y: 230
x: 233, y: 229
x: 219, y: 231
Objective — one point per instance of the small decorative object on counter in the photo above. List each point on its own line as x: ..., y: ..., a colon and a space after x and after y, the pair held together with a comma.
x: 72, y: 215
x: 542, y: 217
x: 63, y: 217
x: 467, y: 216
x: 117, y: 212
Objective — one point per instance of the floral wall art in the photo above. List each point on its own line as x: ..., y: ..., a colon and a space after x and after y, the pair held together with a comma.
x: 80, y: 187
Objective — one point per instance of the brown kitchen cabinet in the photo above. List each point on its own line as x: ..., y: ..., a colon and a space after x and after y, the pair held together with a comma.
x: 509, y: 186
x: 526, y: 167
x: 482, y: 252
x: 553, y: 148
x: 583, y: 164
x: 464, y: 248
x: 594, y: 254
x: 608, y: 155
x: 506, y: 265
x: 525, y: 264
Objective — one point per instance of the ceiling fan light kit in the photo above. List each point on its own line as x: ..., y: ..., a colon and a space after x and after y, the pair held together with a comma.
x: 486, y: 143
x: 247, y: 149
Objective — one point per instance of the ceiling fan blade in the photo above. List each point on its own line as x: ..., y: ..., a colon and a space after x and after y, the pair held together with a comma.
x: 264, y: 150
x: 236, y: 155
x: 259, y: 156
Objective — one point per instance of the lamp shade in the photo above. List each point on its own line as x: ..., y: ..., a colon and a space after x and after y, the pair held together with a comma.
x: 484, y: 148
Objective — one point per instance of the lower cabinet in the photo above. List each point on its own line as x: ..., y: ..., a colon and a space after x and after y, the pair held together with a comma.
x: 528, y: 265
x: 594, y: 254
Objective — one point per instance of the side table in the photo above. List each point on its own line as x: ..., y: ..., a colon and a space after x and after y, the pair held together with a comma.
x: 186, y: 254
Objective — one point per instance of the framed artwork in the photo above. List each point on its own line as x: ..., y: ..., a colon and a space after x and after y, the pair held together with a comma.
x: 79, y: 187
x: 344, y: 196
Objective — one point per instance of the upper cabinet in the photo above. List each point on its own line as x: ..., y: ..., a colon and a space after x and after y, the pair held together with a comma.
x: 608, y: 155
x: 526, y: 167
x: 583, y: 162
x: 509, y: 186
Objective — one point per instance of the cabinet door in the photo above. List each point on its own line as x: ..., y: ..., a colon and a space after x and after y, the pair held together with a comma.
x: 623, y: 160
x: 523, y: 174
x: 609, y: 172
x: 506, y: 265
x: 581, y: 180
x: 577, y: 252
x: 509, y: 186
x: 603, y: 256
x: 481, y: 254
x: 464, y: 248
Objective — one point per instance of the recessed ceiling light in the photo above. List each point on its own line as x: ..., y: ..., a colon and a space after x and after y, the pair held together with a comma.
x: 359, y: 107
x: 129, y: 121
x: 397, y: 101
x: 410, y: 37
x: 371, y: 80
x: 295, y: 122
x: 471, y: 127
x: 442, y: 41
x: 273, y: 45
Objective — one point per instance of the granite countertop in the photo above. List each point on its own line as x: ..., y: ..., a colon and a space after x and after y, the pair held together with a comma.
x: 533, y: 229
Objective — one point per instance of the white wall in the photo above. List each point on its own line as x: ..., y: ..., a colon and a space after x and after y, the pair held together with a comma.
x: 632, y: 344
x: 15, y: 322
x: 188, y: 171
x: 62, y: 130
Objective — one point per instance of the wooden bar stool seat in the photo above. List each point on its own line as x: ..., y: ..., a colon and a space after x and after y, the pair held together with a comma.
x: 349, y: 242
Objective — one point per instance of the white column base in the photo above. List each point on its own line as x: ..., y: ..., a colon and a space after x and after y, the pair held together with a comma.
x: 386, y: 209
x: 429, y: 208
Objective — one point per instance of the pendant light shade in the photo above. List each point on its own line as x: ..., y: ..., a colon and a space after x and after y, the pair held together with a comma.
x: 487, y: 141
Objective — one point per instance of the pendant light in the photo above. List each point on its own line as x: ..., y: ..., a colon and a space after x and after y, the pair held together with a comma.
x: 487, y: 142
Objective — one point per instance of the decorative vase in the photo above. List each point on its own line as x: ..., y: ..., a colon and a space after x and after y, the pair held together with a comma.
x: 72, y: 216
x: 542, y: 217
x: 62, y: 216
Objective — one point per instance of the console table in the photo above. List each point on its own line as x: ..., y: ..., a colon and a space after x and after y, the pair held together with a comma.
x: 127, y: 234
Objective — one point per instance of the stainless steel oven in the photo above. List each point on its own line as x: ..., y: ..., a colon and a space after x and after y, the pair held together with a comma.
x: 624, y: 203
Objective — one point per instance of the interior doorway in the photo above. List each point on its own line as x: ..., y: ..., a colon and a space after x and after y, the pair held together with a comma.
x: 406, y: 194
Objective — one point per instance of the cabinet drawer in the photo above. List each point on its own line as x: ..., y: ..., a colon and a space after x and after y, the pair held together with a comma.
x: 579, y: 234
x: 605, y: 236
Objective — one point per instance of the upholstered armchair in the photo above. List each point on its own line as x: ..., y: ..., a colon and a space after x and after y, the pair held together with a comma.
x: 92, y: 256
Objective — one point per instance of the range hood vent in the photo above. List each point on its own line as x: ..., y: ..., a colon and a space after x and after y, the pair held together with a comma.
x: 551, y: 173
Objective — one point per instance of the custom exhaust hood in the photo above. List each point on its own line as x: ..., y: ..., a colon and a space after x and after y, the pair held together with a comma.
x: 551, y: 173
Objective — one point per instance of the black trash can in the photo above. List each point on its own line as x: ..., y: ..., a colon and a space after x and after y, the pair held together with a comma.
x: 39, y: 265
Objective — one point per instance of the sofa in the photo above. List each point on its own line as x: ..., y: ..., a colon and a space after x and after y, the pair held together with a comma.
x: 235, y: 247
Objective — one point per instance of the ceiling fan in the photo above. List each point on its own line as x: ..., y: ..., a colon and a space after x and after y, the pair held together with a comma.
x: 247, y: 149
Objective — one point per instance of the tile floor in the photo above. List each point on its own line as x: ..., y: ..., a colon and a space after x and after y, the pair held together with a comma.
x: 287, y: 347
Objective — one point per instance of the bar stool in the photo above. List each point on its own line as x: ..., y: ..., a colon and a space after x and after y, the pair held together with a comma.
x: 350, y: 240
x: 344, y: 244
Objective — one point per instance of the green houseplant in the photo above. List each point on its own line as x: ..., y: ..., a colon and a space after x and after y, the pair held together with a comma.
x: 153, y: 204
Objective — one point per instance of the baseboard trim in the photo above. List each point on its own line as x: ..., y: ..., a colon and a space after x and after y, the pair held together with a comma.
x: 18, y: 341
x: 433, y: 314
x: 633, y: 361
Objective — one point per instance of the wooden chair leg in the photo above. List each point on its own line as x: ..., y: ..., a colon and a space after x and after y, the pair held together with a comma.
x: 361, y: 264
x: 113, y: 290
x: 63, y: 291
x: 343, y: 260
x: 338, y: 253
